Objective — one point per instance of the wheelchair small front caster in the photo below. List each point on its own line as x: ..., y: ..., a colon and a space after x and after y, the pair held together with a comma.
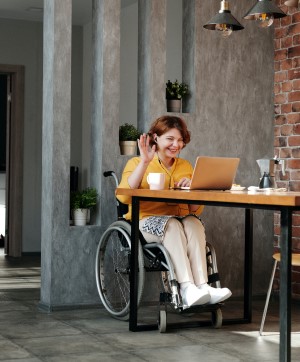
x: 217, y: 318
x: 162, y: 321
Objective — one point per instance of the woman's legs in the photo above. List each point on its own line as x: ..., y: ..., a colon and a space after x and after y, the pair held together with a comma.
x: 196, y: 248
x: 176, y: 244
x: 186, y: 244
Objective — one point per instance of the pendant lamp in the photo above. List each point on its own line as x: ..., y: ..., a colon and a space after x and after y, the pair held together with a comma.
x: 224, y: 21
x: 293, y: 3
x: 264, y: 12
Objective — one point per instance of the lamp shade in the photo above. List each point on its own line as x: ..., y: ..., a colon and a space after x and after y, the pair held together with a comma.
x: 264, y: 7
x: 223, y: 17
x: 294, y: 3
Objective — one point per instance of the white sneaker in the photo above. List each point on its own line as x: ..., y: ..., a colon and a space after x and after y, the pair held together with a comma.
x: 194, y: 296
x: 217, y: 295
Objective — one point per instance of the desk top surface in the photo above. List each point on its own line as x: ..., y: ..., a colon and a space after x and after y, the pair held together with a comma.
x: 239, y: 197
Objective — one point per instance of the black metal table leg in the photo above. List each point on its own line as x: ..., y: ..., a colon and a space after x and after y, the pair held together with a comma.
x: 134, y: 265
x: 248, y: 258
x: 285, y: 285
x: 133, y: 312
x: 248, y: 265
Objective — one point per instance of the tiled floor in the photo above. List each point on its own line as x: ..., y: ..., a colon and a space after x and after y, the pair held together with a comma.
x: 27, y: 334
x: 20, y: 273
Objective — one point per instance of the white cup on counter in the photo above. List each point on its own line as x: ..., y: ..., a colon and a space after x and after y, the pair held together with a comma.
x: 156, y: 180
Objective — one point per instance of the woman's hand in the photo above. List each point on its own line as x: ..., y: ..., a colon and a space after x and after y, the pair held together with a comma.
x: 184, y: 182
x: 146, y: 152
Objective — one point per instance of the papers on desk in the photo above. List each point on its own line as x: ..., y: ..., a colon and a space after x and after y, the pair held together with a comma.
x: 255, y: 189
x: 237, y: 188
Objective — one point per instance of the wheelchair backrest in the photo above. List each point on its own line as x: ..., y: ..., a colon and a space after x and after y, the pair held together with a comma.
x: 122, y: 209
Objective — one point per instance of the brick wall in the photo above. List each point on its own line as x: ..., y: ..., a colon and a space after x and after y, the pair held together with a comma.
x: 287, y: 119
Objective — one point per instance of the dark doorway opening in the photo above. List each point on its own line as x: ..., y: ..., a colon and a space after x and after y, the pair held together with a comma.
x: 11, y: 156
x: 3, y: 112
x: 4, y: 84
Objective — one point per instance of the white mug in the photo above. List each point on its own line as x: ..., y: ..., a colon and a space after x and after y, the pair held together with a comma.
x: 156, y: 180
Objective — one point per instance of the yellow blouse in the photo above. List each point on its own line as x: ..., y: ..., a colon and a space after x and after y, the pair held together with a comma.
x: 180, y: 168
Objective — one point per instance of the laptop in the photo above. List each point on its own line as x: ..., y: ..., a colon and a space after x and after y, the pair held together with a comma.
x: 213, y: 173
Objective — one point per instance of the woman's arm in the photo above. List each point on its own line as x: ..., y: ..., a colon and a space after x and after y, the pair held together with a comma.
x: 135, y: 179
x: 194, y: 209
x: 146, y: 156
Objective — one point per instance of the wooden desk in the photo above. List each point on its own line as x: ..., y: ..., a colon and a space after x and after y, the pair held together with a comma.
x: 285, y: 202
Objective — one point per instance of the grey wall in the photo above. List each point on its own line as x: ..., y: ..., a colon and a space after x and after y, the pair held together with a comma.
x: 234, y: 117
x: 174, y: 40
x: 129, y: 64
x: 129, y: 55
x: 21, y: 44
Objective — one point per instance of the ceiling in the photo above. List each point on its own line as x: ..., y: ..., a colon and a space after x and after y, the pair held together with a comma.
x: 32, y: 10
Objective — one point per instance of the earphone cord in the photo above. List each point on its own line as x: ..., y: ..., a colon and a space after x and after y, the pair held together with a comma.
x: 166, y: 170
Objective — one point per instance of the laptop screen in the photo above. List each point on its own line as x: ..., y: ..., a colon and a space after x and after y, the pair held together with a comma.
x: 214, y: 173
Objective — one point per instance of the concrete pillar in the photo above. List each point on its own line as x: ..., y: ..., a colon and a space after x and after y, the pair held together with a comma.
x: 105, y: 103
x: 68, y: 252
x: 97, y: 95
x: 151, y: 61
x: 56, y: 139
x: 188, y: 52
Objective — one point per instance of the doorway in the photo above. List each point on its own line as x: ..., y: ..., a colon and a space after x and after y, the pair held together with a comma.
x: 4, y: 79
x: 11, y: 159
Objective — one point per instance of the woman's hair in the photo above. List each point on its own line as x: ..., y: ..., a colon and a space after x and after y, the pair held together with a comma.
x: 163, y: 124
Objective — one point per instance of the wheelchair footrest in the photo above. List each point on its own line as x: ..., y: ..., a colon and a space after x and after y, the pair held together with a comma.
x: 165, y: 297
x: 201, y: 308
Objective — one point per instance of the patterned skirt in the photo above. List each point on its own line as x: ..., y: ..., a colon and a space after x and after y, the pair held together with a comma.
x: 156, y: 225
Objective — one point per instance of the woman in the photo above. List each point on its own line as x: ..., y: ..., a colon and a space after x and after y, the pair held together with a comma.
x: 174, y: 225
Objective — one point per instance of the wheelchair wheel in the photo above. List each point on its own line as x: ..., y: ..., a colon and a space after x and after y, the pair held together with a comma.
x: 217, y: 318
x: 162, y: 321
x: 113, y: 269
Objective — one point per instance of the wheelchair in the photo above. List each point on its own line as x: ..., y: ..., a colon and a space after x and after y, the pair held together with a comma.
x: 112, y: 269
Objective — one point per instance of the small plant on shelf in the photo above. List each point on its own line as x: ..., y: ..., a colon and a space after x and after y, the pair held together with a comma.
x: 85, y: 199
x: 81, y: 202
x: 128, y: 135
x: 176, y: 90
x: 128, y: 132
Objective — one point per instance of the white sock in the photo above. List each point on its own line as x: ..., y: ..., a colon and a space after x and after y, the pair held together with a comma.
x: 204, y: 285
x: 185, y: 285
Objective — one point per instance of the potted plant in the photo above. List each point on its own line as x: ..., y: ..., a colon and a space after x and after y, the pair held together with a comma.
x: 81, y: 202
x: 175, y: 91
x: 128, y: 135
